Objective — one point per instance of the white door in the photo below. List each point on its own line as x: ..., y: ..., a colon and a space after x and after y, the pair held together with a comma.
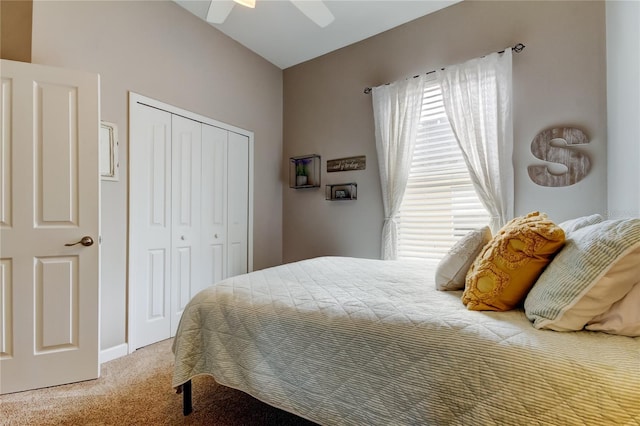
x: 164, y: 198
x: 149, y: 224
x: 50, y: 195
x: 238, y: 204
x: 214, y: 204
x: 185, y: 218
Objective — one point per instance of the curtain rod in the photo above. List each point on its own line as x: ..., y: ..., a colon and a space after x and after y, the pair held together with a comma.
x: 517, y: 48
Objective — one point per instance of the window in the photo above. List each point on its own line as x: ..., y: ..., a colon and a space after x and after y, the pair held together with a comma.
x: 440, y: 204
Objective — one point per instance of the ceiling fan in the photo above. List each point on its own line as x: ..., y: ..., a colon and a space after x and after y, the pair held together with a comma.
x: 315, y: 10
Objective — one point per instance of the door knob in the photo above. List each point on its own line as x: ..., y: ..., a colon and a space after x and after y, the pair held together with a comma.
x: 85, y: 241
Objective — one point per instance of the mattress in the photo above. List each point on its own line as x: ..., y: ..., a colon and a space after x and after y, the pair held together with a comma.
x: 345, y: 341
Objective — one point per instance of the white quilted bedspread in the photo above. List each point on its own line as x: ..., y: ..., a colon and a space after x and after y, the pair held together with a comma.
x: 344, y: 341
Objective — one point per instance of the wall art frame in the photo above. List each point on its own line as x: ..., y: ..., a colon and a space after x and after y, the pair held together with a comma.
x: 347, y: 164
x: 109, y: 163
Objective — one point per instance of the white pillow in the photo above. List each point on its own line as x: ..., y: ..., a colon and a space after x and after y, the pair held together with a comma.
x: 571, y: 225
x: 622, y: 318
x: 598, y: 266
x: 453, y: 267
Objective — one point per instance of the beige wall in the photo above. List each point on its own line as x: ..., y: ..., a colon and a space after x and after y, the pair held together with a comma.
x: 623, y: 108
x: 559, y: 80
x: 160, y: 50
x: 15, y: 30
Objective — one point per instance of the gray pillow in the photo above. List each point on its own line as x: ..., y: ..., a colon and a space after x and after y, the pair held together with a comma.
x: 571, y: 225
x: 598, y: 266
x: 453, y: 267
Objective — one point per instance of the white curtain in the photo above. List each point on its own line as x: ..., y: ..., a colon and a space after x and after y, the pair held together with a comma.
x: 396, y: 111
x: 477, y: 99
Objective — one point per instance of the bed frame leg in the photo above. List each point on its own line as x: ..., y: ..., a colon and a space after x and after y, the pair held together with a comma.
x: 187, y: 407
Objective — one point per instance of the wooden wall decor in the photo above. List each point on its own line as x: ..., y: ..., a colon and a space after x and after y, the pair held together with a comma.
x: 577, y: 162
x: 347, y: 164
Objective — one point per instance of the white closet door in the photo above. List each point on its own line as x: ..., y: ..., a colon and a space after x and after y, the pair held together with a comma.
x: 150, y: 224
x: 190, y: 212
x: 238, y: 204
x: 214, y: 204
x: 185, y: 223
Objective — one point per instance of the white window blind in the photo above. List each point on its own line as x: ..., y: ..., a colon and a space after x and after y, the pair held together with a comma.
x: 440, y: 205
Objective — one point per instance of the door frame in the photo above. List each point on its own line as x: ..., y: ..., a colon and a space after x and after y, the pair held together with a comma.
x: 135, y: 98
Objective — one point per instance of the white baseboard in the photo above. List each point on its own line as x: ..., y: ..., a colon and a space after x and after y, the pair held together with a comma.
x: 113, y: 352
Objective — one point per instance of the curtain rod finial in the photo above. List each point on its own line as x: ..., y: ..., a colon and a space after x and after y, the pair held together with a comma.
x: 518, y: 47
x: 367, y: 90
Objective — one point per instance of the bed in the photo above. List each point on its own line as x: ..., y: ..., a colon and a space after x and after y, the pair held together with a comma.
x: 347, y: 341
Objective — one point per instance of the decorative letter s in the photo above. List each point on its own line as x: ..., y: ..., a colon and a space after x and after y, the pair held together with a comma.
x: 577, y: 162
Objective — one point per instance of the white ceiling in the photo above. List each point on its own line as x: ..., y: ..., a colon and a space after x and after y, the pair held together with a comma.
x: 280, y: 33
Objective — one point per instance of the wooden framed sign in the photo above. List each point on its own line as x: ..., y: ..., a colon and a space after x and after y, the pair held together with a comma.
x: 347, y: 164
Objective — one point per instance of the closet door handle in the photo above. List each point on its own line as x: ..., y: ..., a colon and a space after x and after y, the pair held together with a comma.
x: 85, y: 241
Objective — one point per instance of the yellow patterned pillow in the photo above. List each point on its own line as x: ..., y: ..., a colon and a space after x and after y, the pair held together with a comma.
x: 507, y: 267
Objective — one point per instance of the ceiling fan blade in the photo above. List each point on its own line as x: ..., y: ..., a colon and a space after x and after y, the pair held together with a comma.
x: 315, y: 10
x: 219, y: 10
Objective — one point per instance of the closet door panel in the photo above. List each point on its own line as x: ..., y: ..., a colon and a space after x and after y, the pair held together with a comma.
x: 183, y: 273
x: 150, y: 223
x: 214, y: 204
x: 185, y: 225
x: 238, y: 204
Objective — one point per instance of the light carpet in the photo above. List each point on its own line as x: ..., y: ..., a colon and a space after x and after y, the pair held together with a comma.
x: 136, y: 390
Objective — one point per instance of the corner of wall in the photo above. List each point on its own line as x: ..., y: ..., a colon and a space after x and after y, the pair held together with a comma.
x: 623, y: 109
x: 15, y: 30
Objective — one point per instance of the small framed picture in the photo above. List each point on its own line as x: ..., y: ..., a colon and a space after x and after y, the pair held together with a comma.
x: 341, y: 193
